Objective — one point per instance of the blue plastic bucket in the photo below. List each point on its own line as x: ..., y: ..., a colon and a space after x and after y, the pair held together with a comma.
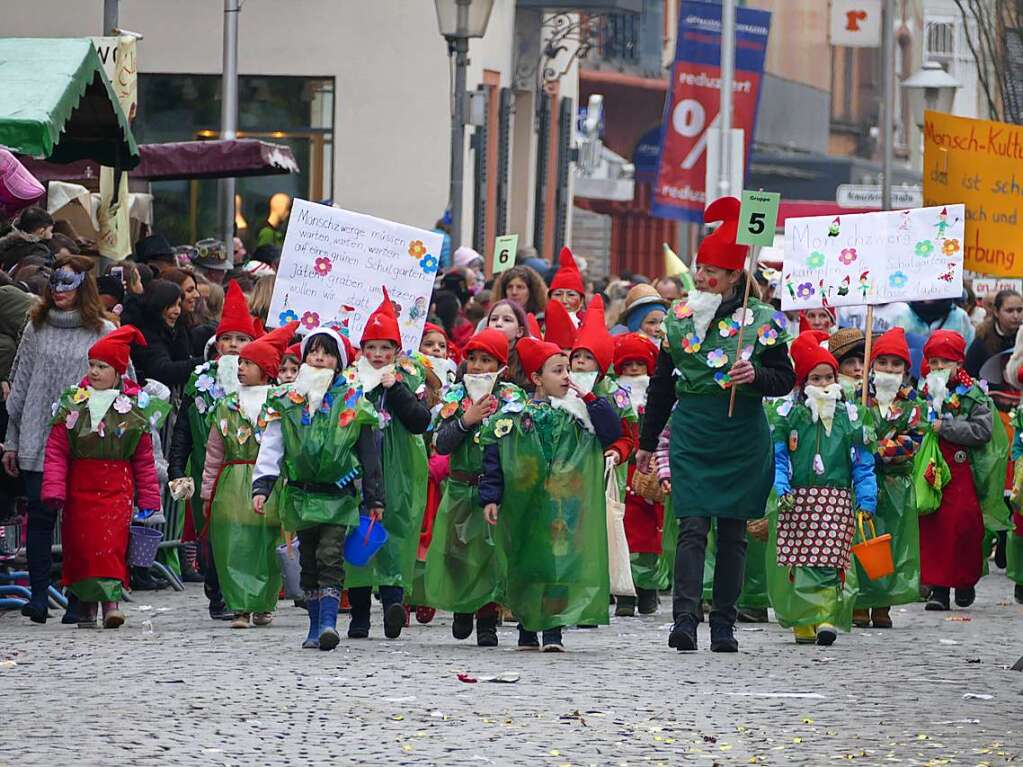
x: 364, y: 541
x: 143, y: 543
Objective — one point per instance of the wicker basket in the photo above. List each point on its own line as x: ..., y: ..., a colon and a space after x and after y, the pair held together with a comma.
x: 647, y: 486
x: 757, y: 529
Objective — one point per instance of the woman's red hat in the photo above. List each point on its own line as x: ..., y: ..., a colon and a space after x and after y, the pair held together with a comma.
x: 719, y: 247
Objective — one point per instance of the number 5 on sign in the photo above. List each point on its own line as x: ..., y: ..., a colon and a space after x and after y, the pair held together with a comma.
x: 505, y: 248
x: 758, y: 218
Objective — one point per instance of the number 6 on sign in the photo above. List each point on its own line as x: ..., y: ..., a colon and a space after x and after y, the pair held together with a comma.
x: 505, y: 248
x: 758, y: 217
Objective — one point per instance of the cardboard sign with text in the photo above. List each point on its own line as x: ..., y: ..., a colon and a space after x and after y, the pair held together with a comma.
x: 334, y: 264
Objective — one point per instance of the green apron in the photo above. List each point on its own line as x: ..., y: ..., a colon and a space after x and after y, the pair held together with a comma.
x: 406, y: 473
x: 205, y: 394
x: 244, y: 543
x: 552, y: 526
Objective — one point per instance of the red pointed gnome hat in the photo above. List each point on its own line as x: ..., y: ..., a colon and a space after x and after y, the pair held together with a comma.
x: 719, y: 248
x: 567, y: 277
x: 383, y: 324
x: 560, y: 329
x: 294, y: 351
x: 807, y: 353
x: 635, y: 347
x: 892, y: 343
x: 533, y: 353
x: 533, y: 326
x: 946, y: 344
x: 235, y: 318
x: 269, y: 350
x: 492, y: 342
x: 115, y: 347
x: 593, y: 336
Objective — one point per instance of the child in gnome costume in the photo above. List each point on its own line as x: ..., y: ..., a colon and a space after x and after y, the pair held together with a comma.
x: 543, y: 467
x: 98, y: 458
x: 898, y: 419
x: 244, y: 542
x: 848, y: 347
x: 395, y: 385
x: 634, y: 359
x: 974, y: 445
x: 290, y: 363
x: 208, y: 384
x: 320, y: 433
x: 463, y: 572
x: 567, y: 287
x: 822, y: 456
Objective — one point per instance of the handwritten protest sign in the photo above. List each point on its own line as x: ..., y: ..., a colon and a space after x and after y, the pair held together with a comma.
x: 334, y: 264
x: 979, y: 163
x: 873, y: 258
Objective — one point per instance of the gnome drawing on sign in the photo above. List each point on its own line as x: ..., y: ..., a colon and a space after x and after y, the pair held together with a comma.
x: 833, y: 229
x: 843, y: 286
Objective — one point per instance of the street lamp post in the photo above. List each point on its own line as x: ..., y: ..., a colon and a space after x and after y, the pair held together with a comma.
x: 459, y: 20
x: 229, y: 118
x: 930, y: 88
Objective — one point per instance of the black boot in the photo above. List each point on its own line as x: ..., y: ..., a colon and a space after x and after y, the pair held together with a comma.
x: 938, y: 601
x: 625, y: 607
x: 1001, y: 542
x: 528, y: 639
x: 683, y: 634
x: 70, y: 617
x: 461, y: 626
x: 486, y: 630
x: 1018, y: 593
x: 722, y: 638
x: 360, y: 599
x: 190, y: 564
x: 648, y: 601
x: 552, y: 641
x: 393, y: 598
x: 965, y: 597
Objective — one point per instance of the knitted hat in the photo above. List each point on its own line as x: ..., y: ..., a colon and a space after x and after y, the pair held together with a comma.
x: 115, y: 347
x: 593, y: 336
x: 892, y: 343
x: 269, y: 350
x: 235, y: 318
x: 343, y: 344
x: 633, y: 347
x: 719, y: 247
x: 807, y: 353
x: 533, y: 353
x: 382, y: 324
x: 492, y: 342
x: 847, y: 342
x: 568, y: 277
x: 946, y: 345
x: 560, y: 329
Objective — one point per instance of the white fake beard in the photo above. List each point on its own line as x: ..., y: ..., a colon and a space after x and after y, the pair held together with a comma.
x: 886, y: 388
x: 443, y: 368
x: 370, y: 376
x: 848, y: 384
x: 227, y: 374
x: 637, y: 386
x: 573, y: 404
x: 937, y: 387
x: 312, y: 383
x: 479, y: 385
x: 585, y: 381
x: 704, y: 306
x: 251, y: 400
x: 100, y: 401
x: 822, y: 401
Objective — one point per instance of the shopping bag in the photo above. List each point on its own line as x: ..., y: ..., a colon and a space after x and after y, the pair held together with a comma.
x: 287, y: 556
x: 930, y: 475
x: 619, y: 564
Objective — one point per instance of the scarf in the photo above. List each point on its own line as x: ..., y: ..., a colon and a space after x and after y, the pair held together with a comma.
x: 937, y: 387
x: 312, y: 383
x: 100, y: 401
x: 585, y: 381
x: 704, y: 306
x: 637, y: 387
x: 886, y: 389
x: 479, y: 385
x: 573, y: 404
x: 251, y: 400
x: 227, y: 374
x: 370, y: 376
x: 443, y: 368
x: 822, y: 401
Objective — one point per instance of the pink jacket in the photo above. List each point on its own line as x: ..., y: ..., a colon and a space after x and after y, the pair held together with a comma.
x: 214, y: 460
x: 661, y: 454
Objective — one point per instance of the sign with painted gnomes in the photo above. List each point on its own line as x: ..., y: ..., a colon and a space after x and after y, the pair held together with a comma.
x: 335, y: 264
x: 873, y: 258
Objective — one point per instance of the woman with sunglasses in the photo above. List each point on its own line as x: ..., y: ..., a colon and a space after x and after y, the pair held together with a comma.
x: 52, y: 355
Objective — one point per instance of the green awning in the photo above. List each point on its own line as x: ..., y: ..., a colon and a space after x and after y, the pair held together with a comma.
x: 56, y: 103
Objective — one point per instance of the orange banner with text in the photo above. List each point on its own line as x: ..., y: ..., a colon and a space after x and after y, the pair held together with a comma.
x: 979, y: 163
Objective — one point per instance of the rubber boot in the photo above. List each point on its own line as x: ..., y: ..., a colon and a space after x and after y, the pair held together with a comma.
x: 330, y: 601
x: 360, y: 599
x: 647, y: 601
x: 461, y: 626
x: 392, y: 598
x: 625, y: 607
x: 486, y: 627
x: 312, y: 603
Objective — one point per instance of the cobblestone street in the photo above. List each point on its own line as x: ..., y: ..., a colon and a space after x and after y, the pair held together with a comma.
x: 197, y: 692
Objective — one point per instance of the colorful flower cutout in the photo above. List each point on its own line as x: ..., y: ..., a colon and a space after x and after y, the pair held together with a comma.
x: 200, y: 405
x: 311, y: 320
x: 950, y: 247
x: 717, y: 358
x: 503, y: 427
x: 72, y: 419
x: 288, y: 315
x: 205, y: 383
x: 847, y: 256
x: 122, y: 404
x: 322, y: 265
x: 681, y: 311
x: 815, y: 260
x: 416, y: 249
x: 924, y: 248
x: 346, y: 417
x: 743, y: 316
x: 728, y: 328
x: 805, y: 290
x: 767, y: 335
x: 722, y: 379
x: 747, y: 353
x: 691, y: 343
x: 898, y: 280
x: 622, y: 398
x: 80, y: 395
x: 779, y: 319
x: 428, y: 263
x: 449, y: 410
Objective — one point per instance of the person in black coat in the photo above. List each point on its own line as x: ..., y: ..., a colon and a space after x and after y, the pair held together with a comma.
x: 168, y: 356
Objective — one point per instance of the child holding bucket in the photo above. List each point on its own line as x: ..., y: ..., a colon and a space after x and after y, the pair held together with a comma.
x: 543, y: 467
x: 822, y: 456
x: 975, y: 447
x: 394, y: 384
x: 899, y: 423
x: 463, y: 573
x: 244, y: 543
x: 319, y: 433
x: 98, y: 459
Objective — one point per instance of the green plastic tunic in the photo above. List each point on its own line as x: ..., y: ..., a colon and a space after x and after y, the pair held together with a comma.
x: 463, y: 572
x: 244, y: 542
x: 202, y: 387
x: 406, y: 473
x: 552, y: 526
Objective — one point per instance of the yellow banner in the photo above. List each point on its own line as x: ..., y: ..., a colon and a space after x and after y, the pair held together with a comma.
x: 980, y: 163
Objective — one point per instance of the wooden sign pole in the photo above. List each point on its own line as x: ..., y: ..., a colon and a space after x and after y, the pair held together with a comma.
x: 869, y: 332
x: 754, y: 253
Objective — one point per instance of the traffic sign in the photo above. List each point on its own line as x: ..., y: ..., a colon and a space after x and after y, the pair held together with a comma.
x: 505, y: 248
x: 869, y: 196
x: 758, y: 218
